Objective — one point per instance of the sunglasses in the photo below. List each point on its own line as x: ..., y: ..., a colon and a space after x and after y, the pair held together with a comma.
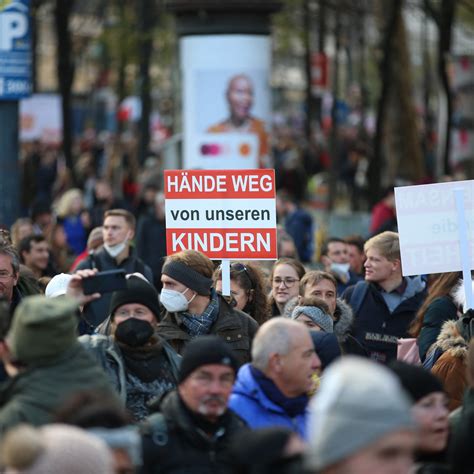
x: 238, y: 267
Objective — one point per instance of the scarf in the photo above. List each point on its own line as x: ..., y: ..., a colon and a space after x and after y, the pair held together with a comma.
x: 200, y: 324
x: 292, y: 406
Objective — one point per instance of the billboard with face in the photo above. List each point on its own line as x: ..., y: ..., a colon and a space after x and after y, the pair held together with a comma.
x: 226, y: 101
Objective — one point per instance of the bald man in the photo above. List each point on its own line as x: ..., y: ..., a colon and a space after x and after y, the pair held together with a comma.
x: 239, y: 96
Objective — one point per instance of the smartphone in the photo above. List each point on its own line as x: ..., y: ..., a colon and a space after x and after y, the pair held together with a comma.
x: 105, y: 282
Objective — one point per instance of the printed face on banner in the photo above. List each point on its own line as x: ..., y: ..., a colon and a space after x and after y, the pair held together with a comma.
x: 429, y: 229
x: 226, y: 109
x: 223, y: 214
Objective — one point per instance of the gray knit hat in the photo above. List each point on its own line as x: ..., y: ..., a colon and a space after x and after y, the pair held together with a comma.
x: 317, y: 315
x: 358, y: 402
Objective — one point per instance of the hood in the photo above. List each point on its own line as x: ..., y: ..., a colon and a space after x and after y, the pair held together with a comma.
x: 459, y: 295
x: 449, y: 340
x: 290, y: 305
x: 415, y: 285
x: 345, y: 319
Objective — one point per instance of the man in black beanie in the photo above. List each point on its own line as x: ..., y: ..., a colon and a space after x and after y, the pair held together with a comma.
x: 194, y: 308
x: 193, y: 431
x: 140, y: 364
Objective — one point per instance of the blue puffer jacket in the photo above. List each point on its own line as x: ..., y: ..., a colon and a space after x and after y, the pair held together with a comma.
x: 250, y: 403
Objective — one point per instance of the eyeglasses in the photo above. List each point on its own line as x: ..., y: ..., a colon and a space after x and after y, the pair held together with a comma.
x: 287, y: 282
x: 5, y: 275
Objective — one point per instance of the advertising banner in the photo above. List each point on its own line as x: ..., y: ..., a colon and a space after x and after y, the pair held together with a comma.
x: 429, y: 224
x: 226, y: 101
x: 41, y: 118
x: 228, y: 214
x: 15, y: 49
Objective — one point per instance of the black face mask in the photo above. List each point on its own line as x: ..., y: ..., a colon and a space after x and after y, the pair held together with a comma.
x: 134, y: 332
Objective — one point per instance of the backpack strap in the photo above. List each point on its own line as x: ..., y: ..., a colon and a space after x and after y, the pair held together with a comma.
x: 156, y: 428
x: 358, y: 295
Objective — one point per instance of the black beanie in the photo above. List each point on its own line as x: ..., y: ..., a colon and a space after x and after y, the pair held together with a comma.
x: 205, y: 350
x: 417, y: 381
x: 138, y: 292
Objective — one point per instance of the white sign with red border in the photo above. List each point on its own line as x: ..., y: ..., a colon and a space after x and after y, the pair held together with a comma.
x: 224, y: 214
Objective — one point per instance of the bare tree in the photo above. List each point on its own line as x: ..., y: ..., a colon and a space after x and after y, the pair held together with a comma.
x: 65, y: 71
x: 444, y: 17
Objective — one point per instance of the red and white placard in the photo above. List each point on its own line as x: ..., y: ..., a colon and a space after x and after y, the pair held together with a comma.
x: 225, y: 214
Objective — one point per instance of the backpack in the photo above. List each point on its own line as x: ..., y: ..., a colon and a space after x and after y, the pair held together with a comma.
x: 358, y: 295
x: 155, y: 426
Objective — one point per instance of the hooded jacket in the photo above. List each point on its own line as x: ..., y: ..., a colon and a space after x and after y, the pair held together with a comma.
x: 377, y: 327
x: 250, y: 402
x: 451, y: 365
x: 33, y: 396
x: 108, y: 354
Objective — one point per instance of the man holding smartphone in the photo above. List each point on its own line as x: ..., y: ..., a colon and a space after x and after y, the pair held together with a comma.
x: 116, y: 253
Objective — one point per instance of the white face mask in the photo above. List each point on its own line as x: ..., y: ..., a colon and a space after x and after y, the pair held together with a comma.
x: 174, y: 301
x: 340, y: 268
x: 117, y: 249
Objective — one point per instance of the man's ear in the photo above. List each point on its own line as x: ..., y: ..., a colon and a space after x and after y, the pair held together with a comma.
x: 131, y: 234
x: 396, y: 265
x: 274, y: 362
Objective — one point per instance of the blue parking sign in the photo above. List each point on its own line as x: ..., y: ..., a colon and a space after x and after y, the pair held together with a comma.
x: 15, y: 49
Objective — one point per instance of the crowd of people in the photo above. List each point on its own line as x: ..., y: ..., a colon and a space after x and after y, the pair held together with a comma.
x: 116, y: 358
x: 299, y: 369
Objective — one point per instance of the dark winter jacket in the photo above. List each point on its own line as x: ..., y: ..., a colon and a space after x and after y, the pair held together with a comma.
x: 33, y: 396
x: 174, y: 444
x: 299, y: 224
x: 376, y: 327
x: 95, y: 312
x: 343, y: 325
x: 235, y: 327
x: 151, y: 244
x: 441, y: 309
x: 342, y: 286
x: 462, y: 436
x: 110, y: 357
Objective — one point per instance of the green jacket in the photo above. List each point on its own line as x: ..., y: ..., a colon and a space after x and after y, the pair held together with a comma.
x: 33, y: 396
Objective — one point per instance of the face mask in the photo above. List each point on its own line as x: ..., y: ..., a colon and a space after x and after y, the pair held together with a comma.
x: 340, y: 268
x: 134, y: 332
x: 174, y: 301
x: 115, y: 250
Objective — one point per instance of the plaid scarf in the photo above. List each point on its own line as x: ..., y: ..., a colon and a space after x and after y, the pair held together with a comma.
x: 200, y: 324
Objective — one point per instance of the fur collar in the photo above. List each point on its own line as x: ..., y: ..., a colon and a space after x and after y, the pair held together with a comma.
x: 459, y: 295
x: 345, y: 319
x: 449, y: 340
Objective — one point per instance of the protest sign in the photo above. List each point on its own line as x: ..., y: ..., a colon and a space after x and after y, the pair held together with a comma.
x: 431, y: 225
x: 228, y: 214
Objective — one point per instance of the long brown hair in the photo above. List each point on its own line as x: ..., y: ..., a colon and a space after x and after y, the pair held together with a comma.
x: 441, y: 286
x: 251, y: 279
